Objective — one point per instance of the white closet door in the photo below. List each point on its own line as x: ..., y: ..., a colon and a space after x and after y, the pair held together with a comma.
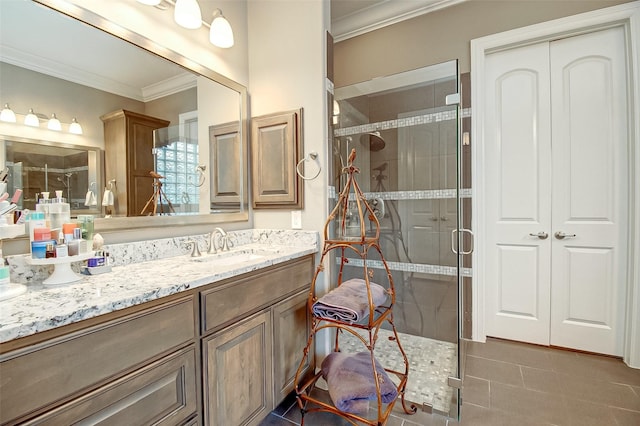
x: 589, y: 134
x: 517, y: 170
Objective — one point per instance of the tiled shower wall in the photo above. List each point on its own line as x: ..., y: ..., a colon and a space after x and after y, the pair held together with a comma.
x: 427, y: 297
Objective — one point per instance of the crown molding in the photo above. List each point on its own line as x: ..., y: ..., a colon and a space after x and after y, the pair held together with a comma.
x: 76, y: 75
x: 169, y: 86
x: 384, y: 14
x: 67, y: 72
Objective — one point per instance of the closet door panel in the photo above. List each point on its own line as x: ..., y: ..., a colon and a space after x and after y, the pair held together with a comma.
x: 588, y: 75
x: 517, y: 187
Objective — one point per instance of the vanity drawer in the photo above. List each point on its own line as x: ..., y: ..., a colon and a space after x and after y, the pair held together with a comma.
x: 240, y: 297
x: 52, y: 371
x: 162, y: 393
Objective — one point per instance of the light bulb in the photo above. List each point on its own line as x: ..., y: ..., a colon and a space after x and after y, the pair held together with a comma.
x: 187, y: 14
x: 31, y: 119
x: 7, y: 114
x: 54, y: 123
x: 75, y: 127
x: 220, y: 33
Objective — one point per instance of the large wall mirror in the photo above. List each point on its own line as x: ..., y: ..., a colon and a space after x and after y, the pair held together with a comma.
x: 144, y: 110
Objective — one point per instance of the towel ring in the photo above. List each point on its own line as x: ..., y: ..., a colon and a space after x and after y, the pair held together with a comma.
x: 311, y: 156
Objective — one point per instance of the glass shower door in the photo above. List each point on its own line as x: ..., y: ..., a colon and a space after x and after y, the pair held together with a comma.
x: 406, y: 137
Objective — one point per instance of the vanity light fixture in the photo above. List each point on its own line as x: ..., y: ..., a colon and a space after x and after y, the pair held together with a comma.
x: 31, y: 119
x: 75, y: 127
x: 54, y: 123
x: 187, y: 14
x: 220, y: 33
x: 7, y: 114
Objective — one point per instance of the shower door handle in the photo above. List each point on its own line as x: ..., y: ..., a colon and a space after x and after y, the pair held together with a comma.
x: 453, y: 241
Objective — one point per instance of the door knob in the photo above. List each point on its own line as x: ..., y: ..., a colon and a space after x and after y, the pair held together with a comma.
x: 542, y: 235
x: 561, y: 235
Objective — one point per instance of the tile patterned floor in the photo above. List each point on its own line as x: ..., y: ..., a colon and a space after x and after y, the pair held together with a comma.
x: 516, y: 384
x: 431, y: 362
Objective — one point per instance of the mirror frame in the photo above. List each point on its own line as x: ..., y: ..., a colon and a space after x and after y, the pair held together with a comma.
x: 115, y: 224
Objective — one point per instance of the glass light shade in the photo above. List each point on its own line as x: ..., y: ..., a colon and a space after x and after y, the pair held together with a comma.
x: 220, y: 34
x: 187, y: 14
x: 54, y: 123
x: 7, y: 114
x: 75, y: 127
x: 150, y: 2
x: 31, y: 119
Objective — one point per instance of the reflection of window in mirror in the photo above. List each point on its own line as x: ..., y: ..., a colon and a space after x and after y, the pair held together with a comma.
x: 176, y: 151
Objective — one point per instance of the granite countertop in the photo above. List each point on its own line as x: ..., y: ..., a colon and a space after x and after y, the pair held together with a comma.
x: 47, y: 307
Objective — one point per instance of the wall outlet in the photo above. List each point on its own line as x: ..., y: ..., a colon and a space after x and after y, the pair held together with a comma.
x: 296, y: 219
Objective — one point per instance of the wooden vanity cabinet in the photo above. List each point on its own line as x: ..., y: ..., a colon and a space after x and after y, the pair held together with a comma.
x: 140, y: 366
x: 258, y: 325
x: 128, y: 140
x: 291, y: 327
x: 222, y: 354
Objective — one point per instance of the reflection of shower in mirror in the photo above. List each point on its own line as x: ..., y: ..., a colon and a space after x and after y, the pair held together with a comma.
x: 66, y: 184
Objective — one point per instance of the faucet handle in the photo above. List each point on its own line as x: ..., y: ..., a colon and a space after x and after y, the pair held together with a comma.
x: 195, y: 250
x: 226, y: 243
x: 212, y: 246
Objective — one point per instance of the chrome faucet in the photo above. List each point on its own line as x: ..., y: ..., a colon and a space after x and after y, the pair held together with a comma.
x: 212, y: 241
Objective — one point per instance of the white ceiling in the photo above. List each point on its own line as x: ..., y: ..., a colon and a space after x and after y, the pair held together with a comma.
x: 57, y: 45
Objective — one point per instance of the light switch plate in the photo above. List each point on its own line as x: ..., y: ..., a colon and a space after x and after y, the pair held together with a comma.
x: 296, y: 219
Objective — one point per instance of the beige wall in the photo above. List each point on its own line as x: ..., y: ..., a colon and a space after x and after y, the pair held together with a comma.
x: 287, y: 67
x: 444, y: 35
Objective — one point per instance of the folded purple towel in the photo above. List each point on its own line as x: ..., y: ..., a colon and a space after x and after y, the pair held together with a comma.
x: 349, y: 301
x: 351, y: 382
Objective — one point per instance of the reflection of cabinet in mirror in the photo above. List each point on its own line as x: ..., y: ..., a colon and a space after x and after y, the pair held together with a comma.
x: 128, y: 141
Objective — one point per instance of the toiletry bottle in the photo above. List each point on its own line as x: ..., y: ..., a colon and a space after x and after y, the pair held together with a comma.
x: 36, y: 220
x: 68, y: 230
x: 82, y: 243
x: 61, y: 248
x: 50, y: 251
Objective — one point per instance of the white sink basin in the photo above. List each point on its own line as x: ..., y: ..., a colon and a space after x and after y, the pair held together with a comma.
x: 236, y: 256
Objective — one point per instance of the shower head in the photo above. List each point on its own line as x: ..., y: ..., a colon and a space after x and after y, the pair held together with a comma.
x: 376, y: 143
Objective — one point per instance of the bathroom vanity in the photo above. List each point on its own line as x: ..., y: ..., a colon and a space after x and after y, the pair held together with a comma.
x: 213, y: 340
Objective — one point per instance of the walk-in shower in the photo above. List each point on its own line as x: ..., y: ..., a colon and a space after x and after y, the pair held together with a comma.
x: 404, y: 128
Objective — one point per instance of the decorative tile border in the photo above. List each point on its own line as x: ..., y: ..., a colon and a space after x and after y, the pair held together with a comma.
x: 416, y: 120
x: 432, y: 194
x: 434, y: 117
x: 411, y: 267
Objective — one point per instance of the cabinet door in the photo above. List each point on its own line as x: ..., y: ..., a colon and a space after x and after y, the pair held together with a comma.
x: 237, y: 373
x: 163, y: 393
x: 141, y: 162
x: 291, y: 327
x: 275, y: 151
